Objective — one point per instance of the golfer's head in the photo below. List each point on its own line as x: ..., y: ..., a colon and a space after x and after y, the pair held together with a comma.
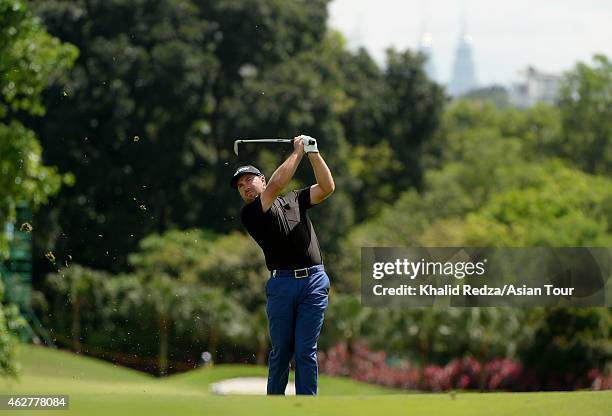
x: 249, y: 182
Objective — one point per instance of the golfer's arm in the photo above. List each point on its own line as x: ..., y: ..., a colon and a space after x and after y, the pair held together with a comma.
x: 325, y: 181
x: 279, y: 179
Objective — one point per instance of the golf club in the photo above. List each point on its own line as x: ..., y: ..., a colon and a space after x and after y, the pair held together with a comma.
x: 237, y: 142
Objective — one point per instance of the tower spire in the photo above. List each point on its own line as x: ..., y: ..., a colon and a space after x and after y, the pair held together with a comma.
x: 463, y: 77
x: 463, y: 19
x: 425, y: 43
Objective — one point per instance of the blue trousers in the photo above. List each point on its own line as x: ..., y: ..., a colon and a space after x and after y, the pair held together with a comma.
x: 295, y: 308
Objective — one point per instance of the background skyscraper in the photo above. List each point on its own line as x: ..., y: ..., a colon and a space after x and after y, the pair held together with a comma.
x: 463, y: 77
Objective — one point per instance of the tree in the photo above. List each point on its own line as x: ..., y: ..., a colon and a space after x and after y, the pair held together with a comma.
x: 486, y: 158
x: 563, y: 207
x: 497, y: 94
x: 394, y: 112
x: 413, y: 111
x: 135, y: 107
x: 150, y: 317
x: 10, y: 321
x: 194, y: 273
x: 537, y: 128
x: 29, y: 59
x: 480, y: 163
x: 74, y: 296
x: 175, y: 253
x: 585, y: 100
x: 233, y: 262
x: 567, y: 343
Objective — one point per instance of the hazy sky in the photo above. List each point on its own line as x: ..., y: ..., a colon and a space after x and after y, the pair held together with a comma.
x: 507, y: 35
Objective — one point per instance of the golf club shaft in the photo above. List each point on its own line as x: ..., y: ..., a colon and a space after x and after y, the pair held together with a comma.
x: 264, y: 140
x: 237, y: 142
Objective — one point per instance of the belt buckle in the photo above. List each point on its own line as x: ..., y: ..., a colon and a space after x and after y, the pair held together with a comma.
x: 298, y: 273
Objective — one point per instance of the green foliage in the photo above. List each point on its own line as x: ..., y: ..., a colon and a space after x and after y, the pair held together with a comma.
x: 176, y: 253
x: 537, y: 129
x: 368, y: 166
x: 345, y: 319
x: 144, y: 315
x: 8, y: 364
x: 139, y: 100
x: 234, y: 262
x: 432, y: 335
x: 491, y: 181
x: 428, y: 335
x: 568, y: 342
x: 29, y: 59
x: 414, y: 106
x: 24, y: 178
x: 564, y: 207
x: 262, y: 33
x: 490, y: 187
x: 557, y: 207
x: 586, y: 110
x: 481, y: 164
x: 396, y: 111
x: 496, y: 94
x: 191, y: 291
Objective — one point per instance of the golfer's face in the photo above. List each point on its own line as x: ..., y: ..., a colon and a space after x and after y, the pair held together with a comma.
x: 250, y: 185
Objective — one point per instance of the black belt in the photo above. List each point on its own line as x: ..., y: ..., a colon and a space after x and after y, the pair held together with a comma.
x: 298, y: 273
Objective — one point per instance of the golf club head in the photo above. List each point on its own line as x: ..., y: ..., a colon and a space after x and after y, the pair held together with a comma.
x: 236, y: 143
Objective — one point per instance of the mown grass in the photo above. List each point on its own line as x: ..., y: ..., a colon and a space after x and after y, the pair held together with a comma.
x: 100, y: 388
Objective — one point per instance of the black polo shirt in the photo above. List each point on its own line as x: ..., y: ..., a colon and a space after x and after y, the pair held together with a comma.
x: 285, y: 232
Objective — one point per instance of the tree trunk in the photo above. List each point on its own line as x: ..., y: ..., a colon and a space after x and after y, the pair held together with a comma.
x: 262, y: 351
x: 349, y: 355
x: 163, y: 345
x: 213, y: 341
x: 76, y: 323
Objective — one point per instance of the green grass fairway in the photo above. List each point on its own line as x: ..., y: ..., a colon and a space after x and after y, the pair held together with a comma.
x: 100, y: 388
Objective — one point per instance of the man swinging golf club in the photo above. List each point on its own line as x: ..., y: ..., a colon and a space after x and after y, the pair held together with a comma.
x: 298, y: 287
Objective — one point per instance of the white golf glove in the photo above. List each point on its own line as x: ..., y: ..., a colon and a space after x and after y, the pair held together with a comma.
x: 310, y: 144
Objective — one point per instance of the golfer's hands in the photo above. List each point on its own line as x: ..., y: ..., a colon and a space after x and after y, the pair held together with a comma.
x: 310, y: 144
x: 298, y: 145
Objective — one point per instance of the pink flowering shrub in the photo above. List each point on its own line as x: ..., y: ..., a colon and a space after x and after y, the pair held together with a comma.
x: 360, y: 363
